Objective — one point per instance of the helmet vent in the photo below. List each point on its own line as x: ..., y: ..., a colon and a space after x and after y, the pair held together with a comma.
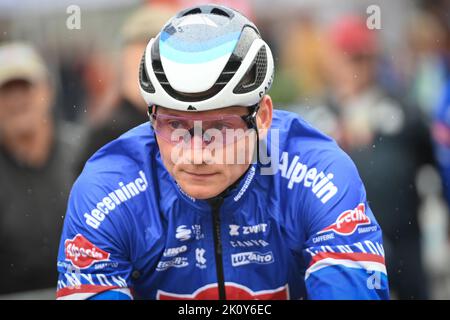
x: 146, y: 84
x: 255, y: 75
x: 220, y: 12
x: 193, y: 11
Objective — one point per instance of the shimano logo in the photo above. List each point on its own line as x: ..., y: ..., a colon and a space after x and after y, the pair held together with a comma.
x: 182, y: 233
x: 298, y: 173
x: 111, y: 201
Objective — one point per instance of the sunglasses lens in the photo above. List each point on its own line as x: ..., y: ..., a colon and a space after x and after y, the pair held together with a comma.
x: 221, y: 129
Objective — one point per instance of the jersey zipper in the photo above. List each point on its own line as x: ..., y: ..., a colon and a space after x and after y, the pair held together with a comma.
x: 216, y: 203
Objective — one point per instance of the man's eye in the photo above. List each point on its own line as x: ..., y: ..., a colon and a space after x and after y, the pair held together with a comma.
x: 175, y: 124
x: 222, y: 126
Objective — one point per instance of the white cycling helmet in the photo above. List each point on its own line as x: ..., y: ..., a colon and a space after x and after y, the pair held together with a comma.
x: 206, y: 57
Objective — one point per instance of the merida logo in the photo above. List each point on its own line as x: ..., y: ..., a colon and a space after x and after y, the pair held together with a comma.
x: 297, y: 172
x: 126, y: 191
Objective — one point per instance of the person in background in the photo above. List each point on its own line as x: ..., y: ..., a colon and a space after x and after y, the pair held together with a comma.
x: 441, y: 137
x: 388, y: 141
x: 130, y: 110
x: 441, y: 114
x: 36, y: 171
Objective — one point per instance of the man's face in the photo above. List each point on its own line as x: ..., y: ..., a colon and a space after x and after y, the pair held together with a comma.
x: 204, y: 173
x: 23, y: 106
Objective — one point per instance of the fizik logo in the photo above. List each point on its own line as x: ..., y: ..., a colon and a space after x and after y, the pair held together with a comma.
x: 348, y: 221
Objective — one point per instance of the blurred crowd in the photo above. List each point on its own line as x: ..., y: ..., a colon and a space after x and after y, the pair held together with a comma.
x: 382, y: 93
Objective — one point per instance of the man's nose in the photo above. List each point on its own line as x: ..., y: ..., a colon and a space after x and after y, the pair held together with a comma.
x: 198, y: 138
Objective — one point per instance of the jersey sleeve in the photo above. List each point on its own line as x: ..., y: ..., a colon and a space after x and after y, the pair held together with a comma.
x: 93, y: 258
x: 343, y: 249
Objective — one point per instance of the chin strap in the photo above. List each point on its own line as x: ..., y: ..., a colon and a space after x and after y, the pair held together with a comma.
x: 251, y: 122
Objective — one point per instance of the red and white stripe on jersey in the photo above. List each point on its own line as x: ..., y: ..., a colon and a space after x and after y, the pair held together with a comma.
x: 367, y: 261
x: 85, y: 291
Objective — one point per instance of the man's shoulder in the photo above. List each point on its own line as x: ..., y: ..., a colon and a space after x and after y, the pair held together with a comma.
x: 293, y: 128
x: 124, y: 160
x: 311, y: 162
x: 297, y: 137
x: 114, y: 179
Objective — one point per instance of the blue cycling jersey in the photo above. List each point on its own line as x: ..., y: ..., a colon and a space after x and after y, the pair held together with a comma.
x: 441, y: 137
x: 300, y: 230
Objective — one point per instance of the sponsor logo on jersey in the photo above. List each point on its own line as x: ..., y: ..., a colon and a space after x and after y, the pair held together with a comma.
x: 366, y: 246
x: 178, y: 262
x: 249, y: 243
x: 244, y: 258
x: 172, y: 252
x: 197, y: 230
x: 319, y: 182
x: 183, y: 233
x: 82, y: 253
x: 367, y: 229
x: 234, y: 230
x: 76, y: 280
x: 200, y: 257
x: 323, y: 237
x: 234, y: 291
x: 258, y: 228
x: 111, y: 201
x: 348, y: 221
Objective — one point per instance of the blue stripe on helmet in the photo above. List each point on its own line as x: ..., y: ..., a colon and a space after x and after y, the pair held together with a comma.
x: 192, y: 57
x: 195, y: 45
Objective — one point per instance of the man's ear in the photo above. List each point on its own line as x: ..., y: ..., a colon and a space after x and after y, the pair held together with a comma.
x: 264, y: 117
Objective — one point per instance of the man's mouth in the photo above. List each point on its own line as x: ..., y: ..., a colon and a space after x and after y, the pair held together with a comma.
x: 200, y: 175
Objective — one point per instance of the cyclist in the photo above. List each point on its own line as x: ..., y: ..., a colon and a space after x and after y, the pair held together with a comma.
x: 163, y: 213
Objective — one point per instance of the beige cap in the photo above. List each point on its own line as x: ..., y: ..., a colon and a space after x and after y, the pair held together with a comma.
x: 20, y: 61
x: 145, y: 23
